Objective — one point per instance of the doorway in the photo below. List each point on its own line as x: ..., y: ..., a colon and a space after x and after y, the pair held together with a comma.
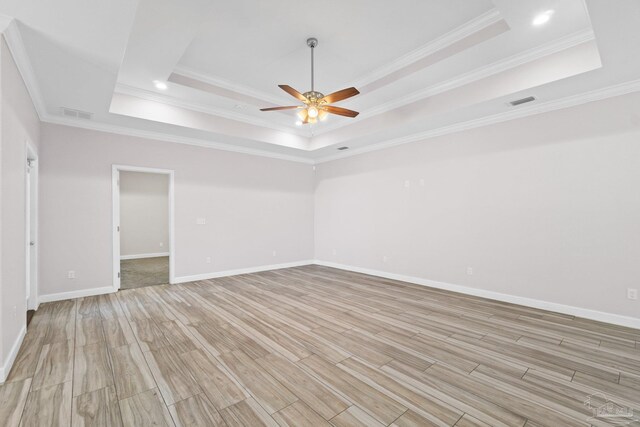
x: 143, y: 227
x: 31, y: 230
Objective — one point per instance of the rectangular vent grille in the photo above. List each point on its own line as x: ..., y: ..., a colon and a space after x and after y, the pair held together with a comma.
x: 522, y: 101
x: 76, y: 114
x: 343, y: 148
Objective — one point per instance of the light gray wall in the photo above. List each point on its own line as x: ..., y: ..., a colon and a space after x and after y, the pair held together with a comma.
x: 253, y: 206
x: 546, y: 207
x: 18, y: 123
x: 144, y: 213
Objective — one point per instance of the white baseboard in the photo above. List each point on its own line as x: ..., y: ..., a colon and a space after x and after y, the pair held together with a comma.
x: 600, y: 316
x: 615, y: 319
x: 140, y: 256
x: 6, y: 366
x: 248, y: 270
x: 76, y: 294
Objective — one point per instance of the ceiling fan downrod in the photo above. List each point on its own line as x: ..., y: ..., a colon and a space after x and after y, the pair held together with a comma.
x: 312, y: 43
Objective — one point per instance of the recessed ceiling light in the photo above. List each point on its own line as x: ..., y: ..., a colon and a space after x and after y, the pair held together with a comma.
x: 160, y: 85
x: 542, y: 18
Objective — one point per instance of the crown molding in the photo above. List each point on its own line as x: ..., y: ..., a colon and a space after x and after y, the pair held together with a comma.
x: 11, y: 33
x: 465, y: 30
x: 500, y: 66
x: 202, y: 108
x: 18, y: 51
x: 566, y: 102
x: 160, y: 136
x: 228, y: 85
x: 5, y: 21
x: 558, y: 104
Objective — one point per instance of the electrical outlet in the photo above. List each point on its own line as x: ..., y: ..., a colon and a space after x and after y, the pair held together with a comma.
x: 208, y: 260
x: 422, y: 182
x: 469, y: 271
x: 71, y: 274
x: 335, y: 252
x: 15, y: 311
x: 632, y: 293
x: 161, y: 244
x: 384, y: 258
x: 274, y: 253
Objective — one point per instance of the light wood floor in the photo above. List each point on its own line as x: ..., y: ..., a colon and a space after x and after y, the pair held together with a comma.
x: 314, y: 346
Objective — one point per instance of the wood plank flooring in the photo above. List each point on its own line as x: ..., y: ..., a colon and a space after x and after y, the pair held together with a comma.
x: 314, y: 346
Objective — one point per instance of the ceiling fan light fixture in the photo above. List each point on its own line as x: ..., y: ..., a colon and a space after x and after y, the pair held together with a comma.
x: 316, y: 106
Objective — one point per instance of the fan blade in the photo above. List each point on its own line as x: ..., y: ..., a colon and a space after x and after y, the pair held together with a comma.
x: 291, y: 91
x: 340, y: 95
x: 291, y: 107
x: 340, y: 111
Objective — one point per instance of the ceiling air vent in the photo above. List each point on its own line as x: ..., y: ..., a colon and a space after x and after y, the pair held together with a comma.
x: 77, y: 114
x: 522, y: 101
x: 343, y: 148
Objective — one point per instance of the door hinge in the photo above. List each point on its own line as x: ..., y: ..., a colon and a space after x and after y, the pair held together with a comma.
x: 118, y: 274
x: 118, y: 227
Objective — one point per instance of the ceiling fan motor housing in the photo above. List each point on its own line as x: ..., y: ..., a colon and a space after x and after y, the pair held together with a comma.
x: 313, y: 96
x: 316, y: 105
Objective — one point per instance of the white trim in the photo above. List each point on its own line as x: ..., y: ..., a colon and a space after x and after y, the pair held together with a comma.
x: 21, y: 58
x: 536, y: 108
x: 160, y: 136
x: 521, y: 112
x: 142, y: 256
x: 115, y: 193
x: 17, y: 48
x: 225, y: 273
x: 226, y: 84
x: 207, y: 109
x: 500, y: 66
x: 465, y: 30
x: 77, y: 294
x: 586, y: 313
x: 11, y: 358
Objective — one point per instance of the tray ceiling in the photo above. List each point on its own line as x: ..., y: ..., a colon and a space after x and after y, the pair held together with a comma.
x: 423, y: 67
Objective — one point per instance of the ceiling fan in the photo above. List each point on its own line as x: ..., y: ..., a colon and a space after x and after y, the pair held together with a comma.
x: 316, y: 105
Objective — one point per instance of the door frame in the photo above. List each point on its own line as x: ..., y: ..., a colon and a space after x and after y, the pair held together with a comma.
x: 115, y: 188
x: 31, y: 233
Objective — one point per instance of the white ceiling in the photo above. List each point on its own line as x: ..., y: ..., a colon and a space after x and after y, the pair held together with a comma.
x: 355, y: 37
x: 423, y: 68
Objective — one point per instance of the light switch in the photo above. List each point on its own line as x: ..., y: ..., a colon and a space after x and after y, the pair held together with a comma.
x: 201, y: 221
